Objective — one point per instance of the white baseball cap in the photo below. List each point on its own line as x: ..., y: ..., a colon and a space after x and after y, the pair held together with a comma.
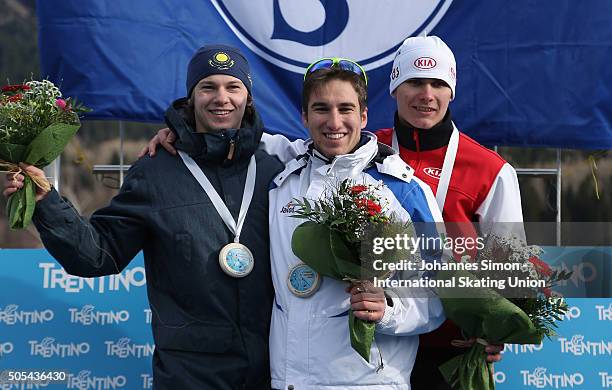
x: 424, y: 57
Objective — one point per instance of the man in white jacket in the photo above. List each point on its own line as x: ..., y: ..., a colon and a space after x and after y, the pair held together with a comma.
x: 309, y: 338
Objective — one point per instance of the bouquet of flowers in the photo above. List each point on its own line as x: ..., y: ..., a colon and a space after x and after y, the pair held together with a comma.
x: 334, y: 242
x: 527, y: 313
x: 36, y: 123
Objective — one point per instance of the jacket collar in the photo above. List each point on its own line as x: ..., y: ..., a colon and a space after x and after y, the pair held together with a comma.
x: 370, y: 152
x: 213, y: 147
x: 428, y: 139
x: 344, y: 165
x: 350, y: 164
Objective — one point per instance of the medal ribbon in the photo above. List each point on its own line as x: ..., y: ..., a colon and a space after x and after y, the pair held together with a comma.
x: 447, y: 166
x: 249, y: 188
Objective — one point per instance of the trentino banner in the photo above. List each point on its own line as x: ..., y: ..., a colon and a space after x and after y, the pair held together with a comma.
x: 95, y: 333
x: 529, y: 73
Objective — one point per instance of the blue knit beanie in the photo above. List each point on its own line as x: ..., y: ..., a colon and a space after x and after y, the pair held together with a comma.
x: 218, y: 59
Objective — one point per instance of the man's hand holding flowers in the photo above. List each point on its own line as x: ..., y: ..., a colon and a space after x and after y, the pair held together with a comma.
x: 13, y: 182
x: 494, y: 352
x: 367, y: 301
x: 340, y: 223
x: 36, y: 124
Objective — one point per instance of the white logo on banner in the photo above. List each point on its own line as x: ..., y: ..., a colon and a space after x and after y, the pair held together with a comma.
x: 540, y: 379
x: 48, y: 348
x: 11, y: 316
x: 84, y: 381
x: 519, y: 348
x: 147, y: 313
x: 6, y: 348
x: 572, y: 313
x: 87, y: 316
x: 578, y: 346
x: 606, y: 380
x: 603, y: 313
x: 147, y: 381
x: 292, y: 34
x: 123, y: 349
x: 499, y: 376
x: 55, y: 277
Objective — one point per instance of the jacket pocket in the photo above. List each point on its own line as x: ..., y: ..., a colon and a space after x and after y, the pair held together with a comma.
x: 194, y: 338
x: 331, y: 359
x: 182, y: 246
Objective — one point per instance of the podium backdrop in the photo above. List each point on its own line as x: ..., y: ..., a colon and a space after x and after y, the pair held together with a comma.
x: 528, y: 72
x: 97, y: 330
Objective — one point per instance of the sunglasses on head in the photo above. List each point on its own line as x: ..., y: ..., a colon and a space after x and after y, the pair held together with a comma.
x: 339, y: 63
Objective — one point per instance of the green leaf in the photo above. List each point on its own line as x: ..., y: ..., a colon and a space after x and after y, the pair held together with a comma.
x: 49, y: 144
x: 13, y: 208
x: 21, y: 204
x: 484, y: 313
x: 41, y: 151
x: 469, y: 371
x: 361, y: 335
x: 318, y: 256
x: 12, y: 153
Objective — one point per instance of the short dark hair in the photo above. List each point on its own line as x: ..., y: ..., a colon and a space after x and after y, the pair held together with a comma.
x: 323, y: 76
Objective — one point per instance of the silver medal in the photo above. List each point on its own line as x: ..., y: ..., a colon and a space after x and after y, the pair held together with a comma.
x: 236, y: 260
x: 303, y: 281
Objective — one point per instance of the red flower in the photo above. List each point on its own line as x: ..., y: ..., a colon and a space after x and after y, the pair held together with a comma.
x: 15, y: 98
x: 16, y: 87
x: 547, y: 292
x: 61, y: 103
x: 358, y: 189
x: 540, y: 266
x: 370, y: 206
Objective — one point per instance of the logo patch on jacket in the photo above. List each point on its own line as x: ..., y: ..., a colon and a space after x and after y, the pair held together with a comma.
x: 433, y: 172
x: 289, y: 208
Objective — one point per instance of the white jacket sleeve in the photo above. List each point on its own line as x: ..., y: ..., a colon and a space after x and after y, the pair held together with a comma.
x: 501, y: 212
x: 411, y: 316
x: 415, y: 312
x: 280, y: 146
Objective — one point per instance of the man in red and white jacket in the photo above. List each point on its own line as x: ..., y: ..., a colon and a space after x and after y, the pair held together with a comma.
x: 471, y: 182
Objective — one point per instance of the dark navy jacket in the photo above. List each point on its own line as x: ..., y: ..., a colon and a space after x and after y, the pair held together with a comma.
x: 210, y: 330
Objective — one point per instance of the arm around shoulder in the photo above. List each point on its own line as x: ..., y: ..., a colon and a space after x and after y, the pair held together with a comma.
x: 280, y: 146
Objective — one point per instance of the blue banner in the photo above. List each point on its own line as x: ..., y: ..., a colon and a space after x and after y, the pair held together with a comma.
x: 90, y: 333
x: 529, y: 73
x: 95, y: 333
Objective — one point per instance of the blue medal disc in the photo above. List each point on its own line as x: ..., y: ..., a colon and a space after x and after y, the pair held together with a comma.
x: 236, y: 260
x: 303, y: 281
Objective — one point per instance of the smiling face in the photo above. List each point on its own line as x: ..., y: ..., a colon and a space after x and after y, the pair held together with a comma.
x: 219, y: 102
x: 422, y: 103
x: 334, y: 118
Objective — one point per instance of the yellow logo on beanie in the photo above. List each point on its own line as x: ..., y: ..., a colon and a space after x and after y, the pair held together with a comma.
x: 221, y: 61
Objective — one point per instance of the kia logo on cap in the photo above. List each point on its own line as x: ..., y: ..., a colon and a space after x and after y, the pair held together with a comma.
x: 425, y: 63
x: 433, y: 172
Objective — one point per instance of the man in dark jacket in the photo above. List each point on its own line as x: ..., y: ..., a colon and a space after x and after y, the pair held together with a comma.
x: 211, y: 302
